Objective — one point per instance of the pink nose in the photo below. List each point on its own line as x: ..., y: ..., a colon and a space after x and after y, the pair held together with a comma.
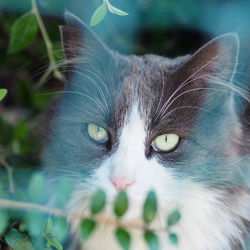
x: 121, y: 182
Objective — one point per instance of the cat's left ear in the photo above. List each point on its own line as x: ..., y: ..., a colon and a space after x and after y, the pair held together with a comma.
x: 216, y: 59
x: 79, y: 41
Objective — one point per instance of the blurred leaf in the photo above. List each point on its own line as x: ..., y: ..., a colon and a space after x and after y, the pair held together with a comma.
x: 150, y: 207
x: 51, y: 241
x: 121, y: 204
x: 3, y: 220
x: 98, y: 15
x: 173, y: 238
x: 21, y: 130
x: 115, y: 10
x: 35, y: 222
x: 24, y: 93
x: 152, y: 240
x: 36, y: 187
x: 87, y: 228
x: 3, y: 93
x: 123, y: 238
x: 173, y: 218
x: 17, y: 240
x: 63, y: 193
x: 23, y: 32
x: 60, y: 229
x: 49, y: 226
x: 98, y: 201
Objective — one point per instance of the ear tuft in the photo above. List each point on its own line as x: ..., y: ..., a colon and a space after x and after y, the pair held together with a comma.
x: 218, y: 58
x: 78, y: 40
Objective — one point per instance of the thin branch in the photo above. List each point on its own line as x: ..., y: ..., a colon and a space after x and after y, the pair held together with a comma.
x: 48, y: 45
x: 4, y: 203
x: 9, y: 170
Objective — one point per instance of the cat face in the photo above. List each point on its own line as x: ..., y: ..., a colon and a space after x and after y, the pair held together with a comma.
x: 149, y: 122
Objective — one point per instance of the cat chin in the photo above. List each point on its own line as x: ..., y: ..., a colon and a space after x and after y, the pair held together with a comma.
x: 210, y: 220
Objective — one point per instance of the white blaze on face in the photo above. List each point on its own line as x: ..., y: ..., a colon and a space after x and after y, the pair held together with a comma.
x: 129, y: 162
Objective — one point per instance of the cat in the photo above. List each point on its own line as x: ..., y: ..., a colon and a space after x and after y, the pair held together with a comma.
x: 149, y: 122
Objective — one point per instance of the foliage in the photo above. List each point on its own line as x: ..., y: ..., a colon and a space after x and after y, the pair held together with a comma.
x: 101, y: 12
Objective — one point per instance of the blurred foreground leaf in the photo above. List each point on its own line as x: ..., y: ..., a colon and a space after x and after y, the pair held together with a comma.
x: 3, y: 93
x: 152, y: 240
x: 150, y: 207
x: 98, y: 15
x: 37, y: 187
x: 17, y: 240
x: 173, y: 238
x: 3, y: 220
x: 121, y: 204
x: 87, y: 228
x: 23, y: 32
x: 98, y: 201
x: 123, y: 238
x: 173, y: 218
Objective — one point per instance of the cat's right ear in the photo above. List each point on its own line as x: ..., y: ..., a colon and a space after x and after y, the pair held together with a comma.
x: 79, y: 42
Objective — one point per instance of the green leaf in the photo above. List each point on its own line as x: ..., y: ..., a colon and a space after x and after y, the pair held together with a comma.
x: 63, y: 193
x: 49, y: 226
x: 23, y: 32
x: 98, y: 15
x: 121, y: 204
x: 123, y: 238
x: 150, y: 207
x: 98, y: 201
x: 21, y: 130
x: 173, y: 238
x: 17, y: 240
x: 36, y: 189
x: 87, y: 228
x: 51, y: 241
x: 152, y: 240
x: 115, y: 10
x: 35, y: 222
x: 60, y: 228
x: 173, y: 218
x: 3, y: 93
x: 3, y: 220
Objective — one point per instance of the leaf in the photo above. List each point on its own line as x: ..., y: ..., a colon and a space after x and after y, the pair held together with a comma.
x: 173, y: 218
x: 49, y: 226
x: 98, y: 15
x: 3, y: 93
x: 98, y: 201
x: 17, y: 240
x: 63, y: 193
x: 87, y: 228
x: 37, y: 187
x: 152, y: 240
x: 150, y: 207
x: 51, y: 241
x: 121, y: 204
x: 23, y: 32
x: 21, y: 130
x: 173, y: 238
x: 123, y: 238
x: 60, y: 228
x: 3, y: 220
x: 35, y: 222
x: 115, y: 10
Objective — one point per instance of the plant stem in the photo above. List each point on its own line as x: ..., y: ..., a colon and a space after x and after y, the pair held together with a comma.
x: 48, y: 44
x: 9, y: 170
x: 5, y: 203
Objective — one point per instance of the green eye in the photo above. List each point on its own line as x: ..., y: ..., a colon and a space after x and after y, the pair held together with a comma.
x: 166, y: 142
x: 97, y: 133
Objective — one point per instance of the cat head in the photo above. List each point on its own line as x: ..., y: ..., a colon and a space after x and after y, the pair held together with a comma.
x: 150, y: 122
